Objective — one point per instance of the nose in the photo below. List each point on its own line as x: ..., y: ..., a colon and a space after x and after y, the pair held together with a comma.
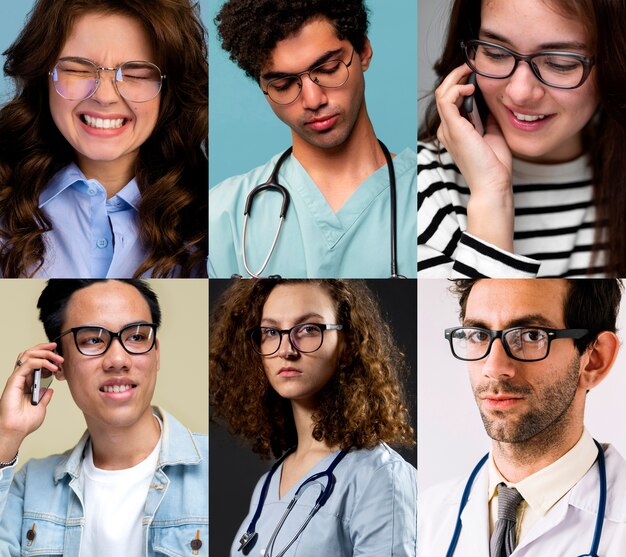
x: 286, y: 348
x: 313, y: 96
x: 116, y: 358
x: 106, y: 93
x: 497, y: 363
x: 523, y: 87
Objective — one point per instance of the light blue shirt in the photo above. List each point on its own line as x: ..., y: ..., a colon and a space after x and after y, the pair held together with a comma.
x: 315, y: 241
x: 372, y: 510
x: 91, y: 236
x: 46, y: 492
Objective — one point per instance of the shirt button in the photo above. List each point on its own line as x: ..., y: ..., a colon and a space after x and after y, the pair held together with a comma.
x: 92, y: 191
x: 102, y: 243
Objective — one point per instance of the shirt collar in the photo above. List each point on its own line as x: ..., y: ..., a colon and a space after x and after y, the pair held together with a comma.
x: 543, y: 489
x: 178, y: 446
x: 71, y: 174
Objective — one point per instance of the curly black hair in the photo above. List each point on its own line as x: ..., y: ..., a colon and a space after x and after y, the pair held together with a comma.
x: 250, y: 29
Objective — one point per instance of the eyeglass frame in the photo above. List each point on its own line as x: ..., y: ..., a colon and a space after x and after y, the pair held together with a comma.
x: 587, y: 62
x: 308, y: 72
x: 99, y: 80
x: 553, y: 334
x: 112, y: 335
x: 322, y: 326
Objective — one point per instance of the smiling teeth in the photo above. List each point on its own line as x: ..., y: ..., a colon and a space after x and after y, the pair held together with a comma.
x: 116, y: 388
x: 528, y: 117
x: 103, y: 123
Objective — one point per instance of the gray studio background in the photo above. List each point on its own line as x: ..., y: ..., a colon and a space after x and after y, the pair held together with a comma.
x: 450, y: 431
x: 234, y: 470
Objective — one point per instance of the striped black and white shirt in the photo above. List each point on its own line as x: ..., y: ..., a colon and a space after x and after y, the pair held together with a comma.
x: 553, y: 230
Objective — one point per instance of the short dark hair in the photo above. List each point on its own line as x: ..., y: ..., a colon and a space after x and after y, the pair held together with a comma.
x: 55, y: 296
x: 250, y: 29
x: 591, y: 304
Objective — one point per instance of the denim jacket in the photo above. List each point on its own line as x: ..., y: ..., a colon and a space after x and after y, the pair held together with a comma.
x: 41, y: 509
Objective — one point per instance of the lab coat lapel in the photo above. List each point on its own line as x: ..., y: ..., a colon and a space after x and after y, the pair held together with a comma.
x: 474, y: 538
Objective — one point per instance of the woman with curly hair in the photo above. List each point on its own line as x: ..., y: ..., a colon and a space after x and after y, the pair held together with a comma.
x: 307, y: 371
x: 103, y: 167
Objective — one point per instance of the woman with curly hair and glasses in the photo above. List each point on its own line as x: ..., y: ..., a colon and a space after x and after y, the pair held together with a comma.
x: 307, y: 371
x: 103, y: 167
x: 522, y: 169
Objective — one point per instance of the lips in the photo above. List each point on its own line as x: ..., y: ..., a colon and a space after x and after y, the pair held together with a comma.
x: 526, y: 120
x: 117, y: 386
x: 289, y: 372
x: 103, y: 124
x: 322, y: 123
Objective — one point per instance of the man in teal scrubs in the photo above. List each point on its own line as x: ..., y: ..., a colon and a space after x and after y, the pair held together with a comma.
x: 310, y: 65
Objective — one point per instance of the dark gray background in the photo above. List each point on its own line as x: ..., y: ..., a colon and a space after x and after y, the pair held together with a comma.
x: 234, y: 469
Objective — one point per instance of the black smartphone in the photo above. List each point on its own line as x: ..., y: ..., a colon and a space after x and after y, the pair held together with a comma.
x: 470, y: 106
x: 42, y: 378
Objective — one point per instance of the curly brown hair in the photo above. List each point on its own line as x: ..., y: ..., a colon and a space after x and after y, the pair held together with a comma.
x: 250, y: 29
x: 362, y: 405
x: 172, y: 166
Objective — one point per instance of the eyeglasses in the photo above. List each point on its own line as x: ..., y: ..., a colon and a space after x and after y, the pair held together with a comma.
x: 563, y: 70
x: 76, y: 79
x: 526, y: 344
x: 306, y: 337
x: 95, y: 341
x: 286, y: 89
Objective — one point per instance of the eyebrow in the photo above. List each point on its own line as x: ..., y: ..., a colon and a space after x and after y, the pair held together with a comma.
x: 530, y: 320
x: 268, y: 321
x: 556, y: 45
x: 328, y: 55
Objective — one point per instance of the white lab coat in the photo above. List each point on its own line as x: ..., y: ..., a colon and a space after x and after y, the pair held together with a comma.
x: 566, y: 530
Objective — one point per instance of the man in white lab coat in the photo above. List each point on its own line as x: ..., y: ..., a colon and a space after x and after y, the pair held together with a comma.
x: 534, y: 349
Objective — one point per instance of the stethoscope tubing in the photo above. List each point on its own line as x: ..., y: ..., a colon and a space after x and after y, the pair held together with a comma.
x: 597, y: 533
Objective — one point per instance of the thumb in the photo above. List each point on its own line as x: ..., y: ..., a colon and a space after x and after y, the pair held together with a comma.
x: 47, y: 397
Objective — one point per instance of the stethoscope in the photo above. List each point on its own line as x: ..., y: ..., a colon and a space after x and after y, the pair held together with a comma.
x: 597, y: 533
x: 272, y: 184
x: 249, y: 538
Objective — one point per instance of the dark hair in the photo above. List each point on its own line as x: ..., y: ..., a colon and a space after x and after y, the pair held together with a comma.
x: 171, y: 168
x: 604, y: 136
x: 591, y: 304
x: 250, y: 29
x: 56, y: 295
x: 363, y: 403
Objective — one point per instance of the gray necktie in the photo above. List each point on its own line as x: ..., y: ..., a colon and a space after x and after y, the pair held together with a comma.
x: 502, y: 541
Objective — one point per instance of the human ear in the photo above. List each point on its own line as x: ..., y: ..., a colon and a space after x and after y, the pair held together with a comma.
x: 597, y: 360
x: 366, y: 55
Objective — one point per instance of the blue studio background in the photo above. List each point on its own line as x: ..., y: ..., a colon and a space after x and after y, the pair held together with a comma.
x: 11, y: 23
x: 245, y: 133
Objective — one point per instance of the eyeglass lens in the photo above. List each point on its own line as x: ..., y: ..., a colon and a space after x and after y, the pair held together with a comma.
x: 304, y: 338
x: 93, y: 341
x: 333, y: 73
x: 76, y: 79
x: 555, y: 69
x: 524, y: 343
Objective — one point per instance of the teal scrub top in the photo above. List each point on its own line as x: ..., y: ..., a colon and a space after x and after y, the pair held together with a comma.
x: 315, y: 242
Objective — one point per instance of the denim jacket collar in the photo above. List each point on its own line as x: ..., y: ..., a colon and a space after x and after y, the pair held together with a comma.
x: 177, y: 447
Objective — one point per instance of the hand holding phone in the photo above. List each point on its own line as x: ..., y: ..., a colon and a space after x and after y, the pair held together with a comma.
x: 471, y: 107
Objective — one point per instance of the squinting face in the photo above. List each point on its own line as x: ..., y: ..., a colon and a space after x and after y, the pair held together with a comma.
x: 519, y: 400
x: 322, y: 117
x: 108, y: 40
x: 539, y: 122
x: 292, y: 374
x: 111, y: 305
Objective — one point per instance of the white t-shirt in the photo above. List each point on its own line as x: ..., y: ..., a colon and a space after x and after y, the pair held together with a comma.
x: 114, y: 502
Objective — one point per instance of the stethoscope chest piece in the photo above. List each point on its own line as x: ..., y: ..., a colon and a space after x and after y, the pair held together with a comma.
x: 247, y: 542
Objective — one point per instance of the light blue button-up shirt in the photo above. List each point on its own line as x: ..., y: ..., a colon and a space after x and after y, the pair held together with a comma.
x: 45, y: 497
x: 91, y: 236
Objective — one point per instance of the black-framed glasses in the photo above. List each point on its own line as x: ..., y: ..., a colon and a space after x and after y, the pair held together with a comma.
x: 563, y: 70
x: 526, y: 344
x: 305, y: 337
x: 77, y: 79
x: 286, y: 89
x: 137, y: 338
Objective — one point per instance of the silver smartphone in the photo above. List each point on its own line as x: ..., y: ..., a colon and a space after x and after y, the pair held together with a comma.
x: 42, y: 378
x: 471, y: 107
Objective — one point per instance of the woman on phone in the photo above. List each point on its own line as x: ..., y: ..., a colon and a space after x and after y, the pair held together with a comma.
x: 307, y: 371
x: 103, y: 167
x: 543, y: 191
